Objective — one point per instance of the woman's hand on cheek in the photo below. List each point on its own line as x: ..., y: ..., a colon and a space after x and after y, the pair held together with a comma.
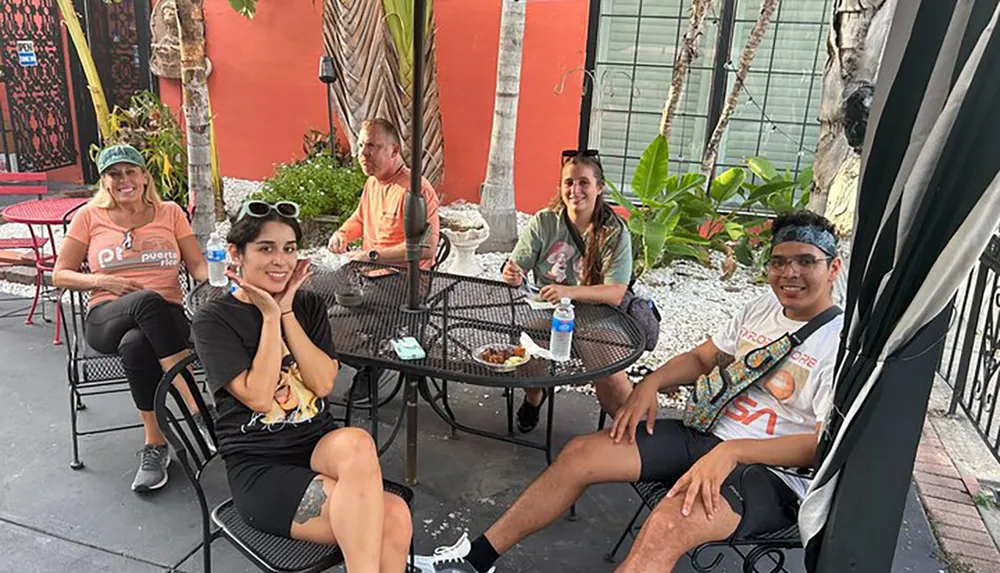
x: 258, y: 297
x: 299, y: 276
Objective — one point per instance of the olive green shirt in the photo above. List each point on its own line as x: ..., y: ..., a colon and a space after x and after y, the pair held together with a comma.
x: 546, y: 248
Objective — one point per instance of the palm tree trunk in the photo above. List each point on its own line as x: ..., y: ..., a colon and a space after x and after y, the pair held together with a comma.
x: 767, y: 10
x: 496, y: 195
x: 191, y: 23
x: 689, y: 47
x: 369, y: 41
x: 855, y: 42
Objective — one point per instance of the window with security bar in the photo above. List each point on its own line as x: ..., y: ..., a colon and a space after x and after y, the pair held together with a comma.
x: 776, y: 118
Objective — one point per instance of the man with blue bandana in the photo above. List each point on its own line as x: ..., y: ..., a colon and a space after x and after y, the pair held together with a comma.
x: 775, y: 422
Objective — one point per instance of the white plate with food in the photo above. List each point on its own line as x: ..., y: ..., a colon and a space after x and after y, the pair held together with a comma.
x: 501, y: 357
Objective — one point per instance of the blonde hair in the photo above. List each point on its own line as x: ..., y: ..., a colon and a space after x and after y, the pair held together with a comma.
x: 105, y: 200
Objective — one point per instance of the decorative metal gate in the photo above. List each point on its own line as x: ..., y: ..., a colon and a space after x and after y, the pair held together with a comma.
x: 118, y: 33
x: 34, y: 78
x: 971, y: 361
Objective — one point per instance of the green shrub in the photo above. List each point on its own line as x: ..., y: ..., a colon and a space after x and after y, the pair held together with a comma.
x: 150, y: 126
x: 321, y: 185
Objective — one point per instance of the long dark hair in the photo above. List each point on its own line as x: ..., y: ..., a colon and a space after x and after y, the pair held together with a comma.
x: 603, y: 223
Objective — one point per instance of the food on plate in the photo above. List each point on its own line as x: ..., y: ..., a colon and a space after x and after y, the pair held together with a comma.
x: 504, y: 355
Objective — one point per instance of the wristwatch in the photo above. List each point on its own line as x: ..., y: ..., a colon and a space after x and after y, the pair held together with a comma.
x: 373, y: 255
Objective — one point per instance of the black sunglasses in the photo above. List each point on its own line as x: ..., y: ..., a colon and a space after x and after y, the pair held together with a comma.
x: 568, y: 154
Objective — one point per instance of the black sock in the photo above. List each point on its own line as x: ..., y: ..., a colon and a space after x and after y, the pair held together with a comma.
x: 482, y: 556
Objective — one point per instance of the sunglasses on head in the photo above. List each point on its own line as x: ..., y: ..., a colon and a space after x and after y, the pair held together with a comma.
x: 260, y: 209
x: 568, y: 154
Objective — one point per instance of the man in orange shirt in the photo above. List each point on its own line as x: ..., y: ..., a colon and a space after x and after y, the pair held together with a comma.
x: 378, y: 220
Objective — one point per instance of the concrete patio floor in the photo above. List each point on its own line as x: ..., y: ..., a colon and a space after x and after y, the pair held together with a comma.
x: 55, y: 519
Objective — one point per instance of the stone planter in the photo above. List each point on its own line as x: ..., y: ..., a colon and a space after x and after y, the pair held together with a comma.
x: 463, y: 249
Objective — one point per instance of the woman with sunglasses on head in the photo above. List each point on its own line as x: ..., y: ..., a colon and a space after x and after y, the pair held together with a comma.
x: 599, y: 275
x: 133, y: 244
x: 269, y: 358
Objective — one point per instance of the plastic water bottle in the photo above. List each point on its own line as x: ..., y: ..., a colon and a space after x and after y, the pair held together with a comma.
x: 561, y: 340
x: 215, y: 253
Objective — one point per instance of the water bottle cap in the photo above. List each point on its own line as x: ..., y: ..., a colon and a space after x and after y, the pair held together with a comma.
x: 565, y: 301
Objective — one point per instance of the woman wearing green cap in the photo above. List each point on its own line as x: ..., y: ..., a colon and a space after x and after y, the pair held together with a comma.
x: 133, y: 244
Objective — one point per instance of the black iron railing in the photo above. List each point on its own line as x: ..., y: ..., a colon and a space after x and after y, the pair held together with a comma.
x: 971, y: 359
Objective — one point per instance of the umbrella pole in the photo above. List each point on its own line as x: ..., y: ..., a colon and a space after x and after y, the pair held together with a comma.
x: 415, y: 223
x: 414, y: 209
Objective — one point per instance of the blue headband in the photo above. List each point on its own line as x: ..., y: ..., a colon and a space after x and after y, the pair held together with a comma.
x: 818, y: 237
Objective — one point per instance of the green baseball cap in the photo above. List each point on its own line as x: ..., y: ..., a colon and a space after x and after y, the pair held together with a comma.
x: 119, y: 154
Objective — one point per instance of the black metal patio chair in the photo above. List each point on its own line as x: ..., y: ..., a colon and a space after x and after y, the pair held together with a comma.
x: 268, y: 552
x: 752, y: 549
x: 89, y: 372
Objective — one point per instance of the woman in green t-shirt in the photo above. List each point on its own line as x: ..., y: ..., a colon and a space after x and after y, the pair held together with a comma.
x: 599, y: 275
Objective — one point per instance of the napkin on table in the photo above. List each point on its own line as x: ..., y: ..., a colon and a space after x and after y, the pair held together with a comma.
x: 534, y: 349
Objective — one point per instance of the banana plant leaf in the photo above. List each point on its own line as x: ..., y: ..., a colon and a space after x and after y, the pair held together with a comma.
x: 677, y: 250
x: 622, y: 200
x: 743, y: 252
x: 763, y: 193
x: 727, y: 184
x: 650, y: 177
x: 762, y: 168
x: 805, y: 178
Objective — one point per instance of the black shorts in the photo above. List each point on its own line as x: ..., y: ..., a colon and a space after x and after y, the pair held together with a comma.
x: 767, y: 503
x: 267, y: 490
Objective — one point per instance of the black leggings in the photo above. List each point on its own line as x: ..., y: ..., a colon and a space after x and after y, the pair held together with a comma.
x: 141, y: 327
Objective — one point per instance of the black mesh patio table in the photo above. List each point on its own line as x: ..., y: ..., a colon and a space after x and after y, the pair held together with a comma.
x: 460, y: 314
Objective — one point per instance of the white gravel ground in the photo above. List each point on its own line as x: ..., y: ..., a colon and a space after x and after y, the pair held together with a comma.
x: 692, y: 299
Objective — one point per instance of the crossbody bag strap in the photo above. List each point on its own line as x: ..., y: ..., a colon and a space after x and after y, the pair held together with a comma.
x: 818, y: 322
x: 574, y: 234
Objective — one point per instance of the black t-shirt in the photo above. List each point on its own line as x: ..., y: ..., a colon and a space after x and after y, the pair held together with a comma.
x: 226, y: 334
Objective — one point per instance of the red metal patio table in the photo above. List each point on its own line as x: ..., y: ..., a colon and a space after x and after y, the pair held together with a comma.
x: 44, y: 213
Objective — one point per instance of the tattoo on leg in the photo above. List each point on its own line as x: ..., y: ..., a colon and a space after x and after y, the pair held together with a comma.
x: 722, y: 359
x: 312, y: 502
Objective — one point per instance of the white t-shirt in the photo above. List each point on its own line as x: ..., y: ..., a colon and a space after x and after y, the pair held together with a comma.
x: 793, y: 398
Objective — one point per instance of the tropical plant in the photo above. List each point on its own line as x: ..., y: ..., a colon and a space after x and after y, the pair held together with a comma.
x: 150, y: 126
x: 321, y: 185
x: 677, y: 217
x: 496, y: 200
x: 665, y: 221
x: 777, y: 193
x: 316, y: 142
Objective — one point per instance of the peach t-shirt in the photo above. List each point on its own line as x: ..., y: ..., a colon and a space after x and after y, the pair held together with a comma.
x: 378, y: 220
x: 153, y: 259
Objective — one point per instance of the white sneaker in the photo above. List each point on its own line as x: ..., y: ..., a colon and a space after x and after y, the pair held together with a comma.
x: 448, y: 559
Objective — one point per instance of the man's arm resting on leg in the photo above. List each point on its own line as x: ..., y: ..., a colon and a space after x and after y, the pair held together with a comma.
x: 705, y: 477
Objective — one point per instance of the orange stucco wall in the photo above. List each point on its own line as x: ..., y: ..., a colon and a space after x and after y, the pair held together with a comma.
x: 265, y: 92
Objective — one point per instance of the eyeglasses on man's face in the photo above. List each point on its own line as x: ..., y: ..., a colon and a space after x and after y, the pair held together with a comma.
x: 804, y: 263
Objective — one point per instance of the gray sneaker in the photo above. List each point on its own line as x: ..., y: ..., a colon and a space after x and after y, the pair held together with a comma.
x: 152, y: 474
x: 199, y: 421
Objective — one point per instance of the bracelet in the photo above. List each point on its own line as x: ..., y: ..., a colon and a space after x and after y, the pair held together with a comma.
x: 287, y: 312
